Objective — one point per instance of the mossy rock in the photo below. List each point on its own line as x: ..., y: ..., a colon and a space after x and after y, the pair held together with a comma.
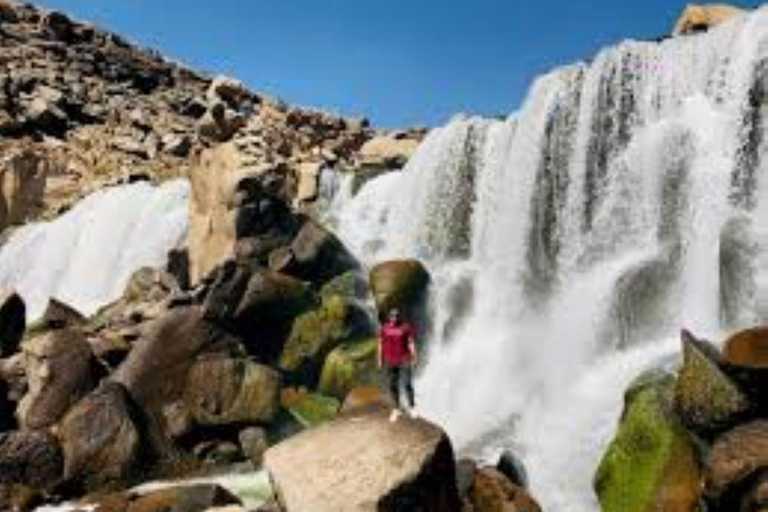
x: 316, y: 333
x: 349, y: 366
x: 706, y: 399
x: 400, y: 284
x: 309, y: 409
x: 651, y: 465
x: 349, y: 284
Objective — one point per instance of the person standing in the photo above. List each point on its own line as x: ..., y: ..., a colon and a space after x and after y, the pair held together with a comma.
x: 397, y: 355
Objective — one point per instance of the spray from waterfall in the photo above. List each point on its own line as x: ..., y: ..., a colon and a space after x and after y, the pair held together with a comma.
x: 570, y: 242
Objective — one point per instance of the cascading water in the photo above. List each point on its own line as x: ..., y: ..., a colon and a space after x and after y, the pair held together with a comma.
x: 86, y: 256
x: 570, y: 242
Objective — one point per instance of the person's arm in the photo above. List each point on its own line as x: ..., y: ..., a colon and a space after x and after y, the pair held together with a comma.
x: 412, y: 348
x: 379, y: 349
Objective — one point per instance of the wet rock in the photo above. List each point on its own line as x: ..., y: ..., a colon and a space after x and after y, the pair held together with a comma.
x: 222, y: 391
x: 366, y: 399
x: 651, y: 463
x: 309, y: 409
x: 12, y: 322
x: 101, y: 438
x: 253, y: 444
x: 399, y: 284
x: 736, y: 457
x: 349, y: 366
x: 315, y: 333
x: 365, y: 462
x: 511, y: 467
x: 491, y: 491
x: 706, y: 399
x: 60, y: 369
x: 31, y: 458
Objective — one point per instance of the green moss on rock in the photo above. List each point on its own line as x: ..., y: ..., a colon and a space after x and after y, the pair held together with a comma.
x: 349, y: 366
x: 651, y: 465
x: 310, y: 409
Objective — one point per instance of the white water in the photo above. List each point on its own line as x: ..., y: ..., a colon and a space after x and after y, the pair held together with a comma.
x: 86, y: 256
x: 569, y: 243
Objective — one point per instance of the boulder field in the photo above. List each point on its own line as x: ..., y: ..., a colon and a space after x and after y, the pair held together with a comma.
x: 695, y: 438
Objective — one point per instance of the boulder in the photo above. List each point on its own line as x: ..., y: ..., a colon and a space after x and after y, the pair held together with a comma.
x: 315, y: 333
x: 511, y: 467
x: 350, y: 285
x: 309, y: 409
x: 222, y: 391
x: 253, y: 444
x: 184, y: 498
x: 155, y: 371
x: 60, y: 369
x: 745, y: 359
x: 30, y: 458
x: 365, y: 463
x: 399, y: 284
x: 23, y: 177
x: 59, y: 315
x: 315, y: 255
x: 735, y: 459
x: 366, y: 399
x: 651, y: 463
x: 491, y: 491
x: 220, y: 123
x: 348, y: 366
x: 706, y: 399
x: 13, y: 321
x: 19, y: 498
x: 699, y: 18
x: 101, y: 438
x: 267, y: 309
x: 388, y: 151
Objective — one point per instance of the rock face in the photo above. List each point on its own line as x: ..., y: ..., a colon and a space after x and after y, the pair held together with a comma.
x: 60, y: 369
x: 401, y: 284
x: 388, y: 151
x: 23, y: 176
x: 651, y: 464
x: 223, y: 391
x: 705, y: 397
x: 491, y: 491
x: 101, y: 438
x: 736, y: 457
x: 698, y: 18
x: 365, y: 464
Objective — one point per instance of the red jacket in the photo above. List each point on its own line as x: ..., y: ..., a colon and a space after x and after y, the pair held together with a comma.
x: 394, y: 339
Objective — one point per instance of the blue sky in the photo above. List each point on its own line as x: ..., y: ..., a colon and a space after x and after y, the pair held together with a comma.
x: 397, y: 62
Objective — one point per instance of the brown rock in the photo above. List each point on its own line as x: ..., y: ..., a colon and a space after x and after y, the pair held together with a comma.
x: 366, y: 399
x: 58, y: 315
x: 155, y: 372
x: 747, y: 348
x: 60, y: 369
x: 699, y: 18
x: 365, y: 463
x: 100, y: 438
x: 23, y: 176
x: 253, y: 444
x: 491, y: 491
x: 31, y: 458
x: 193, y: 498
x: 399, y: 284
x: 222, y: 391
x: 736, y: 456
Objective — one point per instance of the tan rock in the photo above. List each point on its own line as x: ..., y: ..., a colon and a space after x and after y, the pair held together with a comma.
x: 22, y: 187
x: 388, y: 151
x: 736, y: 456
x: 365, y: 463
x: 308, y: 178
x: 697, y: 18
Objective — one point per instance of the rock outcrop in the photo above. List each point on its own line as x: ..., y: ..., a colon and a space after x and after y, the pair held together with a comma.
x: 366, y: 464
x: 699, y: 18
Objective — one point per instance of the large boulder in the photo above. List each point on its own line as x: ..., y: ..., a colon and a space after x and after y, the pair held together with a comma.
x: 155, y: 372
x: 315, y: 333
x: 267, y: 309
x: 745, y: 358
x: 13, y: 321
x: 388, y: 151
x: 706, y: 399
x: 30, y: 458
x: 399, y: 284
x: 699, y: 18
x: 735, y: 459
x: 491, y: 491
x: 348, y: 366
x: 222, y: 391
x: 315, y: 255
x: 365, y: 463
x: 651, y: 463
x: 101, y: 438
x: 60, y: 369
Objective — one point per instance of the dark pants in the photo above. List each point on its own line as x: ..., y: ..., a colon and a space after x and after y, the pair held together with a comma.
x: 398, y: 375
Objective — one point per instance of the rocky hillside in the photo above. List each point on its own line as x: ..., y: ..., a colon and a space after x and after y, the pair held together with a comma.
x: 81, y: 108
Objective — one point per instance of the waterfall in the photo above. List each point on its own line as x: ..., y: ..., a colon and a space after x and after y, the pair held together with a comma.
x: 86, y: 256
x: 570, y: 242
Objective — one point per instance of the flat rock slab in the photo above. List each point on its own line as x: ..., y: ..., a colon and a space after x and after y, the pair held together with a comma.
x: 365, y: 463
